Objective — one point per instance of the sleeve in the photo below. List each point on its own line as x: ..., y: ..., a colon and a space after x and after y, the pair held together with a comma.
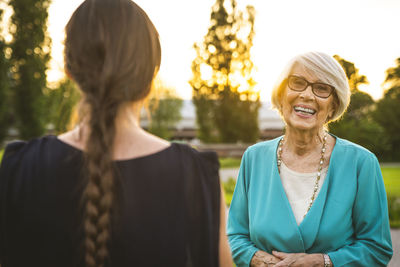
x: 242, y: 247
x: 202, y: 201
x: 372, y: 245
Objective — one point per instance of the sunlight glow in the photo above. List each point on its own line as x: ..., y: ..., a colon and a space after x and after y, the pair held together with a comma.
x: 282, y: 30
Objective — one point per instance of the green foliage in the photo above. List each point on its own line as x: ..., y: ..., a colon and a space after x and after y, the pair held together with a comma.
x: 391, y: 177
x: 223, y: 87
x: 1, y: 154
x: 165, y: 111
x: 229, y: 188
x: 229, y: 163
x: 358, y: 124
x: 4, y: 87
x: 355, y: 79
x: 394, y: 211
x: 393, y: 74
x: 61, y: 102
x: 30, y: 54
x: 387, y: 113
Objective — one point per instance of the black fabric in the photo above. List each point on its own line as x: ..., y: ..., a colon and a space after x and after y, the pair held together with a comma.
x: 167, y: 211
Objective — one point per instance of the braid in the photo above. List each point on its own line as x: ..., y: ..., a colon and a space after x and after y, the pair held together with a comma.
x: 112, y: 51
x: 99, y: 191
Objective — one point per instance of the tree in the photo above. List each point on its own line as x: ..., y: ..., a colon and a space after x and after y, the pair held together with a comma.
x: 393, y: 74
x: 358, y: 124
x: 165, y: 110
x: 387, y: 113
x: 352, y: 73
x: 223, y: 87
x: 61, y: 102
x: 4, y: 87
x: 30, y: 54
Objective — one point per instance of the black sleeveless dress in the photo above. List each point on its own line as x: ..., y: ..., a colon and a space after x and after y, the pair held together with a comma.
x: 167, y: 211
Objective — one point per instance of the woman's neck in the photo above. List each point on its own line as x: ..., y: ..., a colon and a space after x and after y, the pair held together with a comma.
x: 127, y: 128
x: 130, y: 139
x: 303, y: 142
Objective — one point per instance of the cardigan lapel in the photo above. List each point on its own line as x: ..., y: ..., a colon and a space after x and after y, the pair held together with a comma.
x: 288, y: 220
x: 309, y: 227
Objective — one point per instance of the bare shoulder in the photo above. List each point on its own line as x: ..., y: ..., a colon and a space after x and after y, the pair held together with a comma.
x: 127, y: 145
x: 154, y: 142
x: 138, y: 144
x: 72, y: 138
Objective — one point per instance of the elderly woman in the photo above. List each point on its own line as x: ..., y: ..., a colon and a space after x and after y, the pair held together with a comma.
x: 309, y: 198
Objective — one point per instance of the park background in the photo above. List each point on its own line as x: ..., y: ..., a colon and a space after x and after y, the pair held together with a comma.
x: 220, y: 61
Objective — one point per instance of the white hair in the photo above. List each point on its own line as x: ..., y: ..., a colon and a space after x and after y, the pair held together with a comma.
x: 326, y: 69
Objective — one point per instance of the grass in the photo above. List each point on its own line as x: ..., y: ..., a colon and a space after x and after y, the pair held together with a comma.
x: 229, y: 162
x: 391, y: 178
x: 229, y: 187
x: 1, y: 154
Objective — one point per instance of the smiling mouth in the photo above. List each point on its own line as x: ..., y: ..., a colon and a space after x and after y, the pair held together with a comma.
x: 305, y: 111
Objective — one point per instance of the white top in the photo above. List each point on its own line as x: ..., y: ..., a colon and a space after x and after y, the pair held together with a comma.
x: 299, y: 188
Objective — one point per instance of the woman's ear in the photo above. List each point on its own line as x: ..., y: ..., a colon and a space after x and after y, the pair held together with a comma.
x: 333, y: 107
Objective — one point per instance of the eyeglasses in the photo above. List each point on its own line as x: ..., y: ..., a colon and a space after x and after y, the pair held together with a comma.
x: 300, y: 84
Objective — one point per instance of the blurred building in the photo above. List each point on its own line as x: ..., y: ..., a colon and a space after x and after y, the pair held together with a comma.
x: 270, y: 123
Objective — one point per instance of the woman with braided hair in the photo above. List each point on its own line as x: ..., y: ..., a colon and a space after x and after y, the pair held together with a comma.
x: 108, y: 193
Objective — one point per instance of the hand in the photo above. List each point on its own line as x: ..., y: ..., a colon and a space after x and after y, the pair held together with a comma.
x: 263, y: 259
x: 299, y: 259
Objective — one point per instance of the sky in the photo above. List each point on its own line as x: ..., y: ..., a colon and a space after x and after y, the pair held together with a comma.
x: 365, y: 32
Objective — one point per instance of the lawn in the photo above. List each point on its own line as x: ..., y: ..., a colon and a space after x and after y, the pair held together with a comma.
x: 229, y: 163
x: 391, y: 178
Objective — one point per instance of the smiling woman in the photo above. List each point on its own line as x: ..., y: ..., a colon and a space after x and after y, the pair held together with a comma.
x: 309, y: 198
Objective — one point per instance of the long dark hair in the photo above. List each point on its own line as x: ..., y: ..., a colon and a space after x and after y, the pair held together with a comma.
x: 112, y: 51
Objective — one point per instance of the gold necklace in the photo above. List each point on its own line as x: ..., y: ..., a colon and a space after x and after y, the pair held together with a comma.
x: 321, y: 164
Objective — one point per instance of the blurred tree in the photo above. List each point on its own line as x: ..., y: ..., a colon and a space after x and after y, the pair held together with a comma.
x: 29, y: 57
x: 61, y: 102
x: 387, y: 113
x: 4, y: 86
x: 165, y: 110
x: 223, y: 87
x: 352, y: 73
x: 358, y: 124
x: 393, y: 74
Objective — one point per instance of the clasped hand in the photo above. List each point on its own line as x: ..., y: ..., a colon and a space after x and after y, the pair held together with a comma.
x: 281, y: 259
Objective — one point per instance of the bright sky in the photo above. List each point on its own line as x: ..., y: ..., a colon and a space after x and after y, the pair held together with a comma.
x: 365, y: 32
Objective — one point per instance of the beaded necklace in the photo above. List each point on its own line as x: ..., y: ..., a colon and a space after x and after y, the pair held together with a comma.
x: 321, y: 164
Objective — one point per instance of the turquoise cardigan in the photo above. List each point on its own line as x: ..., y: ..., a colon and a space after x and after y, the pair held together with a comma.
x: 348, y: 220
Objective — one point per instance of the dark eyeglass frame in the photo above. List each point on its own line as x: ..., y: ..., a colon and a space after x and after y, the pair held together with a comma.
x: 309, y: 84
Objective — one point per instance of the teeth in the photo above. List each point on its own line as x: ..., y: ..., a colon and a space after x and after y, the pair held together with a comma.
x: 306, y: 110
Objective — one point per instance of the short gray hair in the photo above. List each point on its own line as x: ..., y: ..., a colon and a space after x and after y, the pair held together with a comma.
x: 327, y: 69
